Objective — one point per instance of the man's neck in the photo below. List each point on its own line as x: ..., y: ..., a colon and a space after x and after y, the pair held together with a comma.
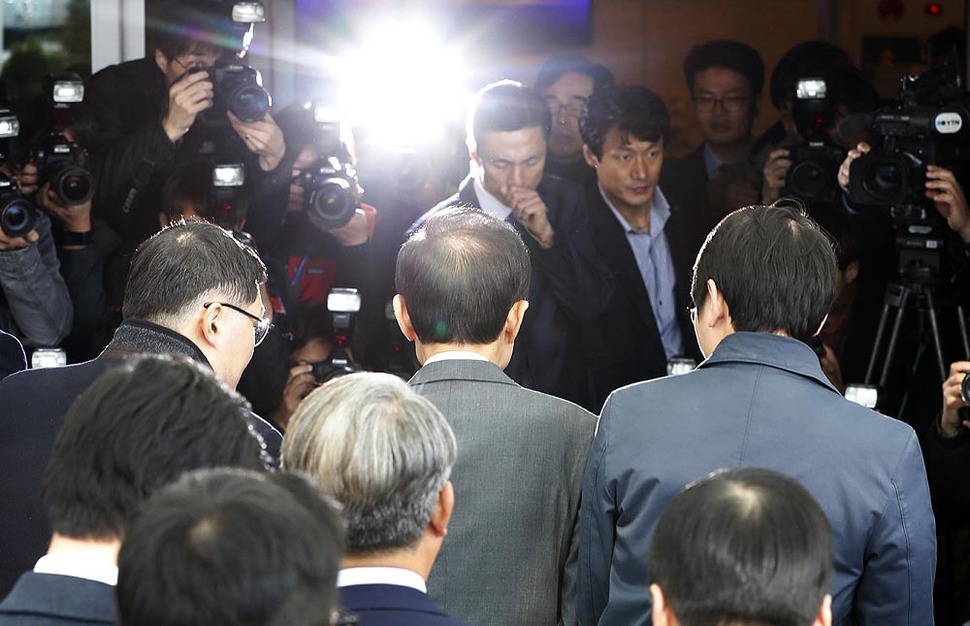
x: 416, y: 561
x: 637, y: 217
x: 104, y: 551
x: 494, y: 352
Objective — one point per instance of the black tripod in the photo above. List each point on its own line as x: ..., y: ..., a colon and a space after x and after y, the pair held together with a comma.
x: 920, y: 259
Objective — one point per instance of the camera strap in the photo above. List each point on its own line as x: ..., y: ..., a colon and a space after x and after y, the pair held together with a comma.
x: 142, y: 175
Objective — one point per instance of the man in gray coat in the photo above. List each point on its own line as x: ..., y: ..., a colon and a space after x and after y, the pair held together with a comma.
x: 763, y: 283
x: 462, y: 283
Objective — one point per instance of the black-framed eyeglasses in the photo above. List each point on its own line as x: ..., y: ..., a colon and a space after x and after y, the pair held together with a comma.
x: 731, y: 102
x: 260, y: 328
x: 190, y: 65
x: 573, y: 108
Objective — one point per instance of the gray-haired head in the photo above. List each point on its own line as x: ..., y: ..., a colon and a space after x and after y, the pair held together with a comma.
x: 379, y: 449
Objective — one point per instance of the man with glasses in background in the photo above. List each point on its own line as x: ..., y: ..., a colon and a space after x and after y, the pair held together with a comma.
x: 725, y: 79
x: 566, y: 83
x: 193, y: 290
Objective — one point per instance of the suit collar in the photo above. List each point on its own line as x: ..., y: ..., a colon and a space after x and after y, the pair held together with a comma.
x: 464, y: 370
x: 62, y: 598
x: 783, y: 353
x: 384, y: 597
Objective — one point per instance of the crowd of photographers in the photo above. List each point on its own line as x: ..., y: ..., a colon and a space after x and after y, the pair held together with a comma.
x: 189, y: 133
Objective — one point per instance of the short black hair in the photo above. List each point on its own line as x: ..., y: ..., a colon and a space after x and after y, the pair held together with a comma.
x: 135, y: 429
x: 227, y: 547
x: 774, y: 266
x: 557, y: 67
x: 634, y: 110
x: 507, y: 105
x: 844, y: 82
x: 459, y: 275
x: 187, y: 261
x: 743, y: 546
x: 181, y: 26
x: 733, y: 55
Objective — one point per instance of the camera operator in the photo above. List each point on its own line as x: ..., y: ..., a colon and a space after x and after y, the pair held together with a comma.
x: 149, y: 110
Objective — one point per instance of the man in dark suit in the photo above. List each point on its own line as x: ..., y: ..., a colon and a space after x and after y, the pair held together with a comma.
x: 508, y: 128
x: 12, y: 357
x: 762, y: 286
x: 359, y: 437
x: 135, y: 429
x: 743, y: 545
x: 647, y: 241
x: 509, y: 560
x: 194, y: 291
x: 725, y: 79
x: 228, y: 546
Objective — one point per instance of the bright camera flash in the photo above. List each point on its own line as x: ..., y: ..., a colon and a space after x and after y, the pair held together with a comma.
x: 233, y: 175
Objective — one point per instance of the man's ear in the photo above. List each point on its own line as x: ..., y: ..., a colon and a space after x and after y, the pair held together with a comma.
x: 851, y: 272
x: 591, y: 159
x: 163, y: 219
x: 824, y: 617
x: 403, y: 318
x: 210, y: 324
x: 161, y: 60
x: 660, y: 613
x: 715, y: 302
x: 513, y: 321
x: 442, y: 511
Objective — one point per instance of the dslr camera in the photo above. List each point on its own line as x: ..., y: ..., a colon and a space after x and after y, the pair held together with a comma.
x: 237, y: 88
x: 330, y: 191
x: 815, y: 164
x: 62, y: 163
x: 17, y: 215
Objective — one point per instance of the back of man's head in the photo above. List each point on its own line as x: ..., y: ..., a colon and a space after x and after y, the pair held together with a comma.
x: 175, y: 270
x: 743, y: 546
x: 225, y: 547
x: 635, y: 111
x: 507, y: 106
x: 136, y: 429
x: 775, y: 268
x: 557, y: 67
x: 460, y: 274
x: 381, y: 450
x: 732, y: 55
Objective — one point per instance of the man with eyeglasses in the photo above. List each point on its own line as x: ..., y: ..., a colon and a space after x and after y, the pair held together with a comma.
x: 725, y: 79
x: 566, y: 83
x: 156, y: 113
x: 193, y: 290
x: 508, y: 131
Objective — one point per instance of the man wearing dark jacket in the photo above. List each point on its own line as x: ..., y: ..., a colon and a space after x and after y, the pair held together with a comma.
x: 644, y: 234
x: 508, y: 128
x: 193, y: 291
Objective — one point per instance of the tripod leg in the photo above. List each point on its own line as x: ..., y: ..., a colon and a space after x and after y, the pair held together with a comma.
x: 880, y: 331
x: 935, y: 330
x: 894, y: 337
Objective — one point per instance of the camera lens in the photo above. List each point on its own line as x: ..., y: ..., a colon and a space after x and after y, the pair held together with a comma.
x: 884, y: 180
x: 965, y: 388
x: 74, y: 185
x: 333, y: 201
x: 250, y: 103
x: 17, y: 217
x: 808, y: 180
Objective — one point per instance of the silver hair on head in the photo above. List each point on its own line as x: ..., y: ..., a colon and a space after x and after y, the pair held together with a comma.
x: 380, y: 449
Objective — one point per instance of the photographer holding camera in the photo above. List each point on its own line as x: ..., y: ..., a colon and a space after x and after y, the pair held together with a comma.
x: 34, y: 302
x: 150, y: 112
